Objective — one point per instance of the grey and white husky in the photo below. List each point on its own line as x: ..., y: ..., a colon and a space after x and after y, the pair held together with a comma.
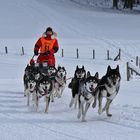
x: 87, y: 93
x: 59, y: 82
x: 108, y: 87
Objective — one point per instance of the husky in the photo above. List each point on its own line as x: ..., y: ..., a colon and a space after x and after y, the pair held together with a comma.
x: 27, y: 74
x: 87, y: 93
x: 59, y: 83
x: 46, y: 70
x: 108, y: 87
x: 79, y: 75
x: 51, y: 71
x: 30, y: 71
x: 44, y: 89
x: 30, y: 89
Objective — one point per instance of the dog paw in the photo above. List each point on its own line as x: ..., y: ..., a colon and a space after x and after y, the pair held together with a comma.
x: 52, y: 101
x: 83, y: 120
x: 99, y: 111
x: 109, y: 115
x: 46, y: 112
x: 75, y: 106
x: 79, y: 115
x: 70, y: 105
x: 94, y: 105
x: 103, y: 109
x: 59, y: 96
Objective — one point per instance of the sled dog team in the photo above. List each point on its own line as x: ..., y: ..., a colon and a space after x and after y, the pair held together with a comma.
x: 49, y: 82
x: 43, y: 81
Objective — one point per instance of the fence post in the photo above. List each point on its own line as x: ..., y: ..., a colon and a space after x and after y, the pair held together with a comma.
x: 127, y: 71
x: 62, y: 53
x: 137, y: 60
x: 6, y: 49
x: 93, y: 54
x: 77, y: 53
x: 22, y: 50
x: 107, y: 54
x: 119, y: 54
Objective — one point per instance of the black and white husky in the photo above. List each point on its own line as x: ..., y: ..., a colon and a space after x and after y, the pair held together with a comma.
x: 108, y: 87
x: 30, y: 89
x: 27, y: 73
x: 31, y: 73
x: 87, y: 93
x: 44, y: 89
x: 59, y: 82
x: 79, y: 75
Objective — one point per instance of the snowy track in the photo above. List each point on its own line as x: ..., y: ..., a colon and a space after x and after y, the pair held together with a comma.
x: 61, y: 121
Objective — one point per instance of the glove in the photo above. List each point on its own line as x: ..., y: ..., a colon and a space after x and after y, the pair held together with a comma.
x: 35, y: 52
x: 47, y: 53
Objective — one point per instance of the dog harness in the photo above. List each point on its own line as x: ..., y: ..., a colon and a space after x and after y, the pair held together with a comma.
x: 60, y: 81
x: 84, y: 92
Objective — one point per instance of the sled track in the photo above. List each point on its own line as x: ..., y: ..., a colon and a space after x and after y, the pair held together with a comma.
x: 8, y: 116
x: 126, y: 116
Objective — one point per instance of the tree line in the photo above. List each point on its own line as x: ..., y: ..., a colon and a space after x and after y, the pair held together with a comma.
x: 126, y: 3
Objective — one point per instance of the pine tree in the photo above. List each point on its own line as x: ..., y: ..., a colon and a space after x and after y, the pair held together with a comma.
x: 115, y: 4
x: 128, y: 4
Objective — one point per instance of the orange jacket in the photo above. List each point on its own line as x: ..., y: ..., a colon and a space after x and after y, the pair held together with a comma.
x: 45, y: 44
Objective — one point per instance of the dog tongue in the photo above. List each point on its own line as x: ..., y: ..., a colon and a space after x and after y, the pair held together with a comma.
x: 46, y: 92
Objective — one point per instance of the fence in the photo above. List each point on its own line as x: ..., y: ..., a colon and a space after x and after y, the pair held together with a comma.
x: 131, y: 69
x: 7, y: 51
x: 77, y: 54
x: 93, y: 54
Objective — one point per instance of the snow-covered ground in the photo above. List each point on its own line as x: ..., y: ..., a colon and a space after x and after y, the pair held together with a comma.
x: 77, y: 27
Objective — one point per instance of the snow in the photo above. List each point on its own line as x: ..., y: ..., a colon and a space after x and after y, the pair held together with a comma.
x: 77, y: 27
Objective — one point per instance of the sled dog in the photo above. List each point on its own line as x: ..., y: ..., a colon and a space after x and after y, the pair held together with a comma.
x: 59, y: 82
x: 31, y: 73
x: 87, y: 93
x: 30, y: 89
x: 108, y: 87
x: 27, y: 74
x: 79, y: 75
x: 44, y: 89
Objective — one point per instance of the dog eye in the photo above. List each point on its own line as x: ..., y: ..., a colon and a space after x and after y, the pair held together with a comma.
x: 112, y: 76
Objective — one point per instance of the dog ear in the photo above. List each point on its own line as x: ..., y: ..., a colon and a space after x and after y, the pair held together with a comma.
x: 97, y: 75
x: 108, y: 69
x: 88, y: 74
x: 83, y: 67
x: 77, y: 67
x: 64, y: 68
x: 58, y: 67
x: 117, y: 68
